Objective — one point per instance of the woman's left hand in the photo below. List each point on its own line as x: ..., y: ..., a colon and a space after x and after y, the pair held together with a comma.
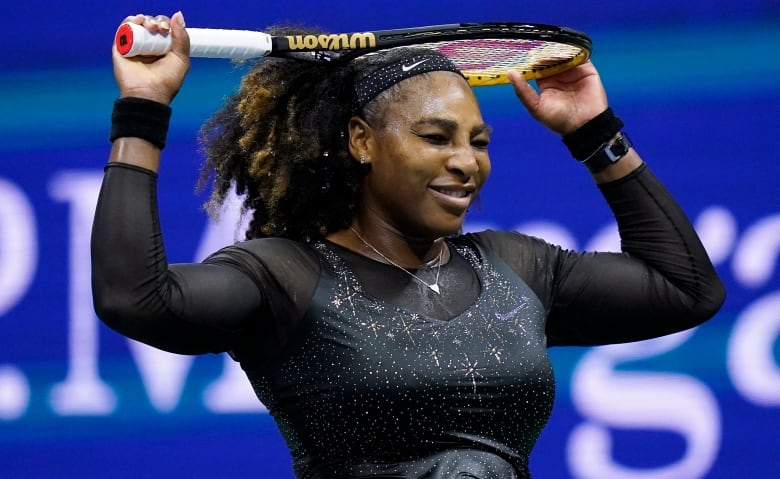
x: 564, y: 101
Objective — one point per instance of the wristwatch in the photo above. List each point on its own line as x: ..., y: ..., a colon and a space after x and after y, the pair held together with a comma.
x: 608, y: 154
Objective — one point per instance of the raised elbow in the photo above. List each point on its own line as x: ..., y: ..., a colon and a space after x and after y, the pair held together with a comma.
x: 706, y: 303
x: 711, y: 302
x: 113, y: 308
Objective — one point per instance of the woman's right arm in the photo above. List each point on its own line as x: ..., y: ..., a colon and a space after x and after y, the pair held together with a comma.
x: 187, y: 308
x: 154, y: 79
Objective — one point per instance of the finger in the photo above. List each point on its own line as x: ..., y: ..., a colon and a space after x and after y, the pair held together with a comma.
x: 163, y: 22
x: 524, y: 91
x: 180, y: 40
x: 138, y: 19
x: 155, y: 24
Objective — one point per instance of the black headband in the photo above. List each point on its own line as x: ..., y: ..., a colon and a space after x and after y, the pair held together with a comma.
x: 370, y: 86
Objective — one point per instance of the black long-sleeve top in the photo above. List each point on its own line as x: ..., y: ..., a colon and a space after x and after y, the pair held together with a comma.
x: 280, y: 308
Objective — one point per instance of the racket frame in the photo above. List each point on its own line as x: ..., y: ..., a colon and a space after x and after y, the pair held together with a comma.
x: 244, y: 44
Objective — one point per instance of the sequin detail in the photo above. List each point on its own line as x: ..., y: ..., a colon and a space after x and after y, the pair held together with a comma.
x: 371, y: 389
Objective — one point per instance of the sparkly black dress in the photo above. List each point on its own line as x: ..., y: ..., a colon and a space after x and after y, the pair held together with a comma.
x: 369, y: 374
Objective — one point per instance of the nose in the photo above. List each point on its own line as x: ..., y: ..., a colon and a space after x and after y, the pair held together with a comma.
x: 463, y: 162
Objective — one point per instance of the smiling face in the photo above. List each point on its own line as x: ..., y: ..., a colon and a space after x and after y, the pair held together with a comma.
x: 428, y: 156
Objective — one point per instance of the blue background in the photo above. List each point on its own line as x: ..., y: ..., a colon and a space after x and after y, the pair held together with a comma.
x: 696, y: 83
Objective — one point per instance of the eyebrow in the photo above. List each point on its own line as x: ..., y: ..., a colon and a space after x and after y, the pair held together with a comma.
x: 451, y: 125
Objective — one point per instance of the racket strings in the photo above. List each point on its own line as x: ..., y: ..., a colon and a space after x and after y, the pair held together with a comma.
x: 485, y: 61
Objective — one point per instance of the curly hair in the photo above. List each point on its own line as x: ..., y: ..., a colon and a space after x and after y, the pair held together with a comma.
x: 282, y: 142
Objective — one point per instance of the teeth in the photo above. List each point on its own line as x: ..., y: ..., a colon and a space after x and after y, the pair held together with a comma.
x: 453, y: 193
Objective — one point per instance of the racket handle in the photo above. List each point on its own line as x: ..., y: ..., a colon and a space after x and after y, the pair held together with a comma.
x: 132, y: 39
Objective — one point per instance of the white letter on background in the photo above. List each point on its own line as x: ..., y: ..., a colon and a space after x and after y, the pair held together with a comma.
x: 82, y: 392
x: 640, y: 401
x: 18, y: 260
x: 751, y: 362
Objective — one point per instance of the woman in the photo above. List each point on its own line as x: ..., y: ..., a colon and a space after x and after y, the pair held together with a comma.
x: 383, y: 341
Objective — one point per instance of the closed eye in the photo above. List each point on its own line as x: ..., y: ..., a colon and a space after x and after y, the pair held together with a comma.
x: 480, y: 144
x: 435, y: 139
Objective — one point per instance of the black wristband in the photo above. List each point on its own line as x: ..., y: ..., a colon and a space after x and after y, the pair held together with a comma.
x: 585, y: 140
x: 140, y: 118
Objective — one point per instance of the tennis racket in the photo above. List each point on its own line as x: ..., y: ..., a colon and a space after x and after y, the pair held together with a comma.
x: 482, y: 51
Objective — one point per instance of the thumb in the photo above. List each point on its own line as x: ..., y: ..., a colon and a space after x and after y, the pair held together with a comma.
x: 180, y: 40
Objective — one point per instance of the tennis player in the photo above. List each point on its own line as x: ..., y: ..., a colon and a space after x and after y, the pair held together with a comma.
x: 385, y: 342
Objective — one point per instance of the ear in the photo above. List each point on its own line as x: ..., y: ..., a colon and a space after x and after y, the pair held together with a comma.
x: 361, y: 138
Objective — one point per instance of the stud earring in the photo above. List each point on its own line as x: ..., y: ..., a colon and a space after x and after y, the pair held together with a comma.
x: 362, y: 159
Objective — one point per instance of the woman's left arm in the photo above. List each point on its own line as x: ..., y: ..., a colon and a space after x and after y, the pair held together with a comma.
x: 664, y: 281
x: 567, y: 101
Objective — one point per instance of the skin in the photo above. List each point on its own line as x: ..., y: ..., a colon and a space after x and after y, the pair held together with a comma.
x: 425, y: 149
x: 157, y: 79
x: 428, y: 161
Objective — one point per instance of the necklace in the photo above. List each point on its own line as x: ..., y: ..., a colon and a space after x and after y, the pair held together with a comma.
x: 432, y: 286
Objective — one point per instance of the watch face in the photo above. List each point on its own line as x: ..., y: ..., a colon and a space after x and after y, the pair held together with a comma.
x: 608, y: 154
x: 618, y: 149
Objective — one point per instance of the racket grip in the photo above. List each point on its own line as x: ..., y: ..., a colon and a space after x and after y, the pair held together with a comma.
x: 132, y: 39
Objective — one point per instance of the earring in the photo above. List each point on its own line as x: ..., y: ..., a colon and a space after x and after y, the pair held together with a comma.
x: 362, y: 159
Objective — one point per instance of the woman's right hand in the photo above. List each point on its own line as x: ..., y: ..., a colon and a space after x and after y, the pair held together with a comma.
x: 155, y: 78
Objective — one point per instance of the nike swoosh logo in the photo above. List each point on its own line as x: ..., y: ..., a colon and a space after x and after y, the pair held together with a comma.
x: 505, y: 316
x: 406, y: 68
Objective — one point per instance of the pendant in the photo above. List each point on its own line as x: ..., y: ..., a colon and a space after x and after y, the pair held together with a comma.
x: 435, y: 288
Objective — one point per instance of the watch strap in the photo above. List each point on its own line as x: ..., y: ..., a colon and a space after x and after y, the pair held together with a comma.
x: 608, y: 153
